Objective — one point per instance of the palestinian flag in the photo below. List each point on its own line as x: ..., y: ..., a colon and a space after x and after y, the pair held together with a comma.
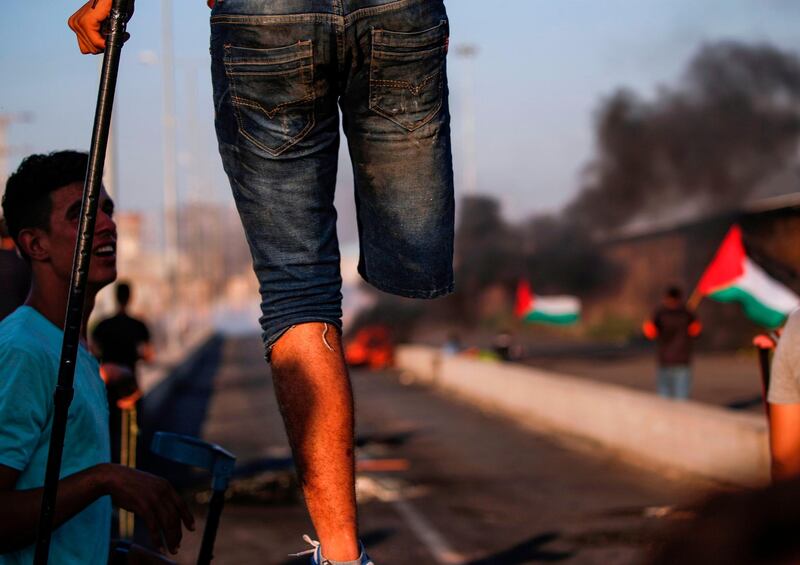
x: 561, y: 310
x: 733, y: 277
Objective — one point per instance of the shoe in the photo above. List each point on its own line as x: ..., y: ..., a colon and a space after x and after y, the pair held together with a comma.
x: 318, y: 559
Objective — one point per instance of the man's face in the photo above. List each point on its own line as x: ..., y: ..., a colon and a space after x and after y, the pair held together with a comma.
x: 60, y: 240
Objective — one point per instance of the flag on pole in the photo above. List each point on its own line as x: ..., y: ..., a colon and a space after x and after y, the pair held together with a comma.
x: 733, y: 277
x: 560, y: 310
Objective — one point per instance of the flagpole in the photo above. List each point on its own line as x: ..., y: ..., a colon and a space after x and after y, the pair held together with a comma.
x: 694, y: 300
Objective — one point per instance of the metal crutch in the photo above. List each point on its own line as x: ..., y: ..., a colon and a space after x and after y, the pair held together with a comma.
x: 80, y: 271
x: 211, y: 457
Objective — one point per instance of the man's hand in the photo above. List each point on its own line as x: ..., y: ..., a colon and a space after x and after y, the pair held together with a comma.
x: 113, y: 373
x: 649, y: 330
x: 87, y: 23
x: 151, y: 498
x: 764, y: 341
x: 120, y: 381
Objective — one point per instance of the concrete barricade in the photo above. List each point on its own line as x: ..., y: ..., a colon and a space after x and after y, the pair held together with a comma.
x: 700, y: 439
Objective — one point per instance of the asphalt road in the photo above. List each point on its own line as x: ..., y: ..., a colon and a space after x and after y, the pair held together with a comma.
x: 466, y: 487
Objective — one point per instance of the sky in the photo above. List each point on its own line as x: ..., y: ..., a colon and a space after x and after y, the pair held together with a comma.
x: 543, y: 68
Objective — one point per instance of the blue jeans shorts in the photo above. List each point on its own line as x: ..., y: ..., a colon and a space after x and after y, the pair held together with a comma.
x: 674, y: 382
x: 282, y: 71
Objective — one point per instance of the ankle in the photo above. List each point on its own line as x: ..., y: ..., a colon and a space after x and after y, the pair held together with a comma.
x: 341, y: 550
x: 356, y: 561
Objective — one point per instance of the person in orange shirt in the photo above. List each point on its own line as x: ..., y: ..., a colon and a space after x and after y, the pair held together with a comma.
x: 673, y: 327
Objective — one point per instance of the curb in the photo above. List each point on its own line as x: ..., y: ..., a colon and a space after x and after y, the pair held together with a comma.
x: 690, y: 437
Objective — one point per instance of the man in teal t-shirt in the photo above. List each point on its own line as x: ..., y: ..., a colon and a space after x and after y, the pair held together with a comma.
x: 41, y: 207
x: 29, y: 351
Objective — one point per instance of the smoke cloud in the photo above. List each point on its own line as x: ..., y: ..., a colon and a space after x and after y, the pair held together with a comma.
x: 707, y: 143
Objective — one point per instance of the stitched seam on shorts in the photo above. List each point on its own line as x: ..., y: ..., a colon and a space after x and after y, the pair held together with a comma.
x: 390, y: 53
x: 413, y: 127
x: 407, y: 84
x: 408, y: 37
x: 262, y: 63
x: 418, y: 292
x: 350, y: 18
x: 234, y: 94
x: 270, y: 113
x: 389, y: 50
x: 305, y: 46
x: 270, y: 74
x: 288, y: 144
x: 241, y: 19
x: 244, y: 101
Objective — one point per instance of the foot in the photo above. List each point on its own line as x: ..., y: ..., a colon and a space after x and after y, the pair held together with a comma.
x: 318, y: 559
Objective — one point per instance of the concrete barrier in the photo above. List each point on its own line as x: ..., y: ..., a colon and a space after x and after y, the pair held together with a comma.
x: 700, y: 439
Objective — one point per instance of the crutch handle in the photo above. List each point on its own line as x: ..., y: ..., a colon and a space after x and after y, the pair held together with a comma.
x: 196, y: 453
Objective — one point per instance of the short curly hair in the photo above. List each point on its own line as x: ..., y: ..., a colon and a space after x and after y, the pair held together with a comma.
x: 26, y: 202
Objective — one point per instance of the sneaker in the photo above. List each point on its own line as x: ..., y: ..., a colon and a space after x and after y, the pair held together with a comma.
x: 318, y: 559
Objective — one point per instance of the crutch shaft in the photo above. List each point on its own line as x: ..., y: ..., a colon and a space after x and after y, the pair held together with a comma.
x: 210, y: 531
x: 80, y: 272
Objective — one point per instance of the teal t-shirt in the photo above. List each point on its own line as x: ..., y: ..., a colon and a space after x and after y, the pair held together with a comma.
x: 30, y: 346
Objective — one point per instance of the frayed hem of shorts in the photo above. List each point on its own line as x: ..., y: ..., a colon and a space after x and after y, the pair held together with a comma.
x: 409, y: 293
x: 269, y: 342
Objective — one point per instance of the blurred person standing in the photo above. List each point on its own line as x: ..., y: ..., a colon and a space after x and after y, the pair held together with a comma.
x: 123, y: 341
x: 15, y: 274
x: 673, y: 327
x: 784, y: 402
x: 452, y: 345
x: 502, y: 345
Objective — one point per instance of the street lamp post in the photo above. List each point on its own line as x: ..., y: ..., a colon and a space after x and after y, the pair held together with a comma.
x: 170, y: 167
x: 468, y: 52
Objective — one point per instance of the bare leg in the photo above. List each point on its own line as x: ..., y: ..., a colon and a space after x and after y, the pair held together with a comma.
x: 316, y: 401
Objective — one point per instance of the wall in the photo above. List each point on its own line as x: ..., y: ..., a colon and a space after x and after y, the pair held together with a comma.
x: 695, y: 438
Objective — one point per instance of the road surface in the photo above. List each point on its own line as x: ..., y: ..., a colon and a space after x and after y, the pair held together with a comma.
x: 463, y: 487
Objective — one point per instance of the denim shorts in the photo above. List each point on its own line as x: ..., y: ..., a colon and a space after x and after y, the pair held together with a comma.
x: 282, y: 70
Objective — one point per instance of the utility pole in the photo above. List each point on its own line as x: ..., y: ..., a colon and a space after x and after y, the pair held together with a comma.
x: 5, y: 149
x: 170, y: 167
x: 468, y: 52
x: 104, y: 305
x: 110, y: 169
x: 200, y: 249
x: 194, y: 174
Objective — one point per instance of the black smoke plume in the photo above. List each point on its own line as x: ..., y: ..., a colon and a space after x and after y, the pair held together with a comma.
x: 705, y: 145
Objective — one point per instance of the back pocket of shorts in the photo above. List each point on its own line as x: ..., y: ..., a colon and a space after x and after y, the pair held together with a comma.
x: 406, y: 82
x: 272, y: 91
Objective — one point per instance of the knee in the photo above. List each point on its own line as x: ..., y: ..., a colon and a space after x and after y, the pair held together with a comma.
x: 307, y: 343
